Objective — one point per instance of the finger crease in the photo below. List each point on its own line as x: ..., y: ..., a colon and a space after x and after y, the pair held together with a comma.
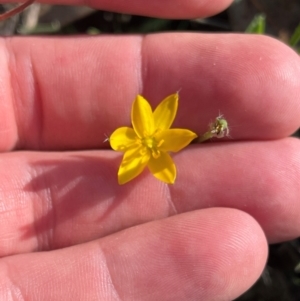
x: 37, y: 103
x: 108, y: 282
x: 172, y: 208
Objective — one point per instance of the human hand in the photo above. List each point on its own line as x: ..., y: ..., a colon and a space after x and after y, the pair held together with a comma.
x: 70, y: 232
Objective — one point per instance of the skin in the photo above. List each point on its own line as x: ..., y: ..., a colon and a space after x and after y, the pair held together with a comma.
x: 68, y: 231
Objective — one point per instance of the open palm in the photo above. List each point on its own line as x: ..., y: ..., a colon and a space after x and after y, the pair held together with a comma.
x: 68, y: 231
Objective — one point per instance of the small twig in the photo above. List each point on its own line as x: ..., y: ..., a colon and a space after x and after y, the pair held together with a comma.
x: 15, y: 10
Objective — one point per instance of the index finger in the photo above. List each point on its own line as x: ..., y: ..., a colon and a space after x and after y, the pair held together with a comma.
x: 156, y: 8
x: 68, y: 93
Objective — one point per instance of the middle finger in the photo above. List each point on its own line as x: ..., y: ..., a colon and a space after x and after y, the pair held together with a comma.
x: 53, y: 200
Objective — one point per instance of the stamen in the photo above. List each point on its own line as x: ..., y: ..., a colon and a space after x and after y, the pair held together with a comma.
x: 159, y: 144
x: 155, y: 153
x: 143, y: 151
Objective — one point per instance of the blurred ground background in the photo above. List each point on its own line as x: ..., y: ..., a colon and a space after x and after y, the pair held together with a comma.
x: 281, y: 279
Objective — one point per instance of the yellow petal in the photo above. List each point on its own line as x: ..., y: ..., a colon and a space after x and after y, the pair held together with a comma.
x: 163, y: 168
x: 165, y: 112
x: 122, y: 139
x: 142, y: 117
x: 173, y: 140
x: 133, y: 163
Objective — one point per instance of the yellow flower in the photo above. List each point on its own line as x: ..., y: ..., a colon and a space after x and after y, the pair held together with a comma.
x: 150, y: 140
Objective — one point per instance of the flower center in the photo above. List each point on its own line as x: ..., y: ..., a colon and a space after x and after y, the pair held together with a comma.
x: 151, y: 144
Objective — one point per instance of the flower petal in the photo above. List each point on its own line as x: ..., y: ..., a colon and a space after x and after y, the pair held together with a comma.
x: 122, y: 139
x: 142, y: 117
x: 163, y: 168
x: 174, y: 139
x: 133, y: 163
x: 165, y: 112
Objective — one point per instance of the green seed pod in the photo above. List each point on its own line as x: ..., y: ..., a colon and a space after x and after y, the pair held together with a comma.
x: 219, y: 128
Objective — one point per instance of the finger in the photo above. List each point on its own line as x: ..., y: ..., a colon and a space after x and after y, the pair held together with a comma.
x: 54, y: 200
x: 204, y: 255
x: 157, y: 8
x: 86, y: 86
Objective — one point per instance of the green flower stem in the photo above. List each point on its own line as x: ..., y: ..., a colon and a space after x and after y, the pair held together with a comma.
x: 208, y: 135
